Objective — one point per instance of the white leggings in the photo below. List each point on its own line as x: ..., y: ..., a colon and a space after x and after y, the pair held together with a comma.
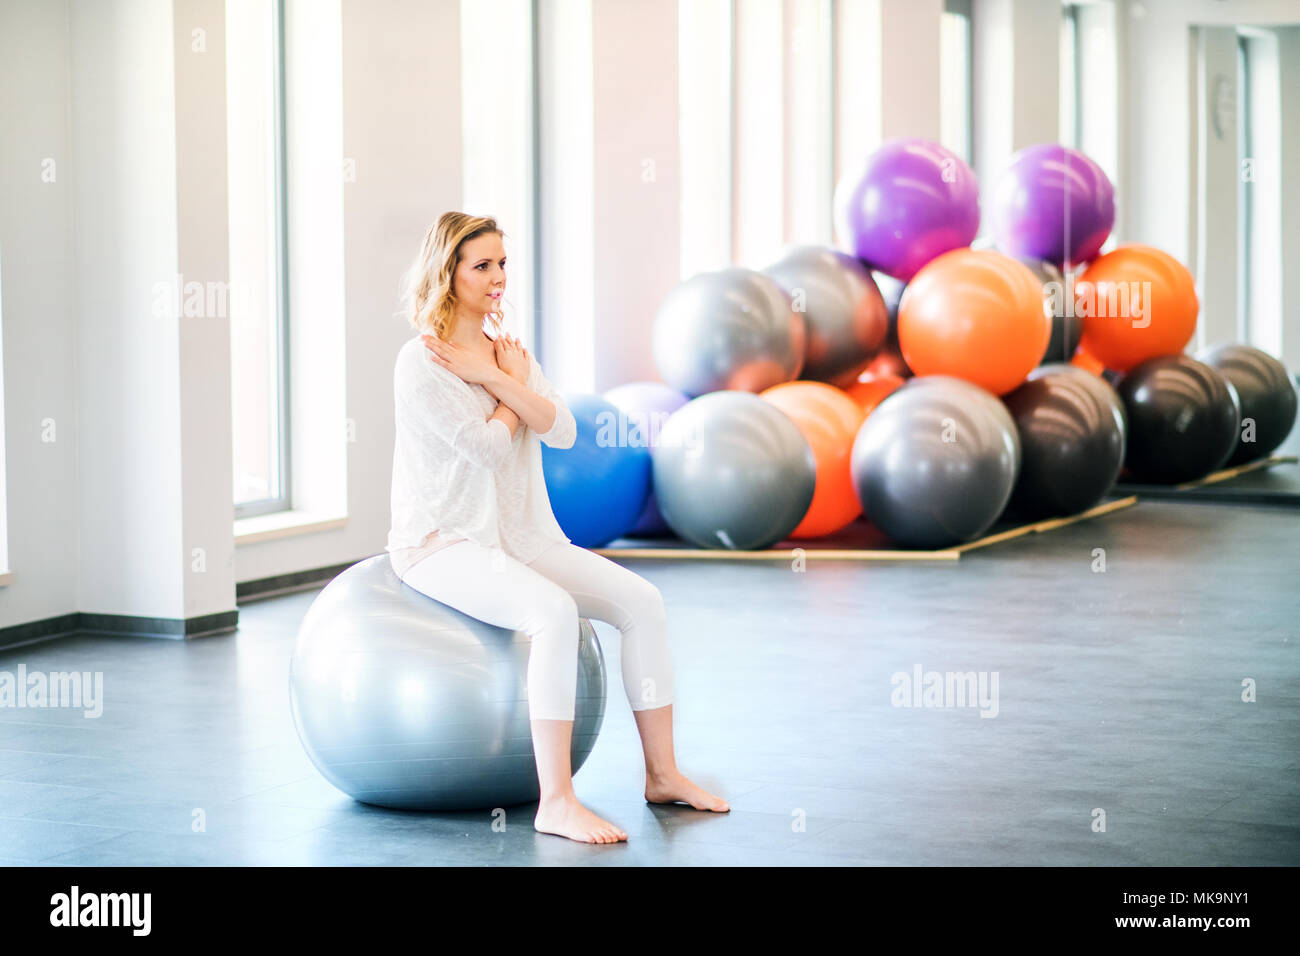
x: 544, y: 599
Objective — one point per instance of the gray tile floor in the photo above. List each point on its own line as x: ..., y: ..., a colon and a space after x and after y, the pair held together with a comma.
x: 1118, y: 692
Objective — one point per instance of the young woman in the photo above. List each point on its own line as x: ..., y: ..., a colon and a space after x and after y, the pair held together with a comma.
x: 473, y: 526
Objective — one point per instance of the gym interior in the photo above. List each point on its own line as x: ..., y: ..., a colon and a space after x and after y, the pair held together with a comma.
x: 934, y: 360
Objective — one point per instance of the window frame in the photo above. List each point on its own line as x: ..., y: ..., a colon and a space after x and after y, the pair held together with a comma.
x: 282, y: 499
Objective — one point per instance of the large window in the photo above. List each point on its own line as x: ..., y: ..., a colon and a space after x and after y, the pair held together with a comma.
x: 1089, y: 82
x: 1069, y: 76
x: 757, y: 126
x: 955, y: 78
x: 1259, y: 219
x: 497, y: 139
x: 258, y: 293
x: 704, y: 136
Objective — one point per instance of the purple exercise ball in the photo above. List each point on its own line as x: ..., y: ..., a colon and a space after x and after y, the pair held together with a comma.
x: 647, y: 406
x: 1053, y: 203
x: 913, y: 200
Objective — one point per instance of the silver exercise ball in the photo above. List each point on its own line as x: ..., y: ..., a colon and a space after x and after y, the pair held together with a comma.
x: 846, y: 315
x: 935, y: 464
x: 733, y: 471
x: 731, y: 329
x: 402, y: 701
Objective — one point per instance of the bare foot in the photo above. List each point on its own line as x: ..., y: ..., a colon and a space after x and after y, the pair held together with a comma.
x: 566, y: 817
x: 675, y: 788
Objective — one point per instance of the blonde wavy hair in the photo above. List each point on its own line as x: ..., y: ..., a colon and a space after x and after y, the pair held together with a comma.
x: 428, y: 288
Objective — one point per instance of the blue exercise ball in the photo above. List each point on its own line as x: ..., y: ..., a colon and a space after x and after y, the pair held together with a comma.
x: 648, y: 405
x: 401, y: 701
x: 598, y: 487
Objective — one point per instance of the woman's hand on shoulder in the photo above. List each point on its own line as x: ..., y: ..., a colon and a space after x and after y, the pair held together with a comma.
x: 512, y: 358
x: 472, y: 367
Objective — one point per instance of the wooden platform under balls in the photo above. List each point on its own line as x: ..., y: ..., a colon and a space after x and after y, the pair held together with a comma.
x: 860, y: 541
x: 1223, y: 487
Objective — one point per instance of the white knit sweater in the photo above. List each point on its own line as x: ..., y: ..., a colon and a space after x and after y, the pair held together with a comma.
x: 457, y: 472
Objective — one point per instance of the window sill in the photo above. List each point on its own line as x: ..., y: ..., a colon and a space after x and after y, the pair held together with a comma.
x: 284, y: 524
x: 6, y: 577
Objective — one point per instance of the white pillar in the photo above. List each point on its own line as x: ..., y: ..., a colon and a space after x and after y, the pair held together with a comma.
x: 132, y: 542
x: 909, y: 68
x: 39, y: 313
x: 207, y: 510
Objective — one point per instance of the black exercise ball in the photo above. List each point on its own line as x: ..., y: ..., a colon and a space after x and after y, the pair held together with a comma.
x: 1182, y: 419
x: 1071, y: 426
x: 1067, y: 328
x: 1267, y: 395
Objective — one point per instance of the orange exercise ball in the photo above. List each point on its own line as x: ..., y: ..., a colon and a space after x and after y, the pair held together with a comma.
x: 975, y: 314
x: 871, y: 390
x: 829, y: 419
x: 1089, y: 363
x: 1137, y: 303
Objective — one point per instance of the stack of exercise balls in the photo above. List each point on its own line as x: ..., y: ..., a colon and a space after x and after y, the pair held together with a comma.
x: 918, y: 382
x: 936, y: 461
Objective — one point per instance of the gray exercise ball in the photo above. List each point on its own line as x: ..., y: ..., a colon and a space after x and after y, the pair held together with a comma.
x: 845, y: 314
x: 402, y: 701
x: 934, y: 465
x: 730, y: 329
x: 732, y: 471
